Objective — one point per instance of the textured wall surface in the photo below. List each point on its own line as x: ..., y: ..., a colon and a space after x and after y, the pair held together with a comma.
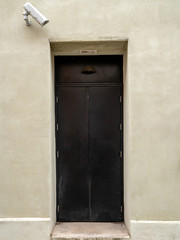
x: 152, y: 103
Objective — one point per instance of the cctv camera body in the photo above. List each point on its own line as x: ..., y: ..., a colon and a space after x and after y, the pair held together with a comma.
x: 31, y: 10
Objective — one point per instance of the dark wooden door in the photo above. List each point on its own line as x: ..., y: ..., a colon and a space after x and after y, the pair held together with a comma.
x: 89, y: 139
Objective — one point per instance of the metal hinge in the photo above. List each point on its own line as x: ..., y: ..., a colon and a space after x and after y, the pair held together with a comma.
x: 57, y: 154
x: 57, y: 208
x: 121, y: 209
x: 57, y: 126
x: 120, y: 99
x: 120, y: 154
x: 57, y: 99
x: 120, y: 126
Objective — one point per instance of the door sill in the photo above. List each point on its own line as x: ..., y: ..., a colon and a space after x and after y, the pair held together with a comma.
x: 89, y: 230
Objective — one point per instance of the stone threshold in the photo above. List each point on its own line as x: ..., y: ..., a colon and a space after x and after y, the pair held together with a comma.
x: 89, y: 231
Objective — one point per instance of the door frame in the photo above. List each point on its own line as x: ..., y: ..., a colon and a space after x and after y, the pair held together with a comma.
x: 104, y: 47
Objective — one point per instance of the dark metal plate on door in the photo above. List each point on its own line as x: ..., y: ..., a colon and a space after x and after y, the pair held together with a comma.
x: 105, y: 146
x: 107, y: 69
x: 73, y: 161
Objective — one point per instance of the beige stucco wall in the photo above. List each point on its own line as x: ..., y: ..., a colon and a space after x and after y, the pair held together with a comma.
x: 152, y: 103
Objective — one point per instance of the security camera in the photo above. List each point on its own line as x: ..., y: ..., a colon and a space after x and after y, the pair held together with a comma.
x: 31, y: 10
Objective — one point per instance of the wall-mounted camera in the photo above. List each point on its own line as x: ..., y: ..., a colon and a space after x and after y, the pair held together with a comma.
x: 31, y: 10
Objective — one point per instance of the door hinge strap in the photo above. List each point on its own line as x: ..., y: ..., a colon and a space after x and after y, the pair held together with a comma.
x: 120, y: 98
x: 121, y: 209
x: 120, y: 154
x: 57, y: 154
x: 57, y: 126
x: 57, y: 99
x: 120, y: 126
x: 57, y: 208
